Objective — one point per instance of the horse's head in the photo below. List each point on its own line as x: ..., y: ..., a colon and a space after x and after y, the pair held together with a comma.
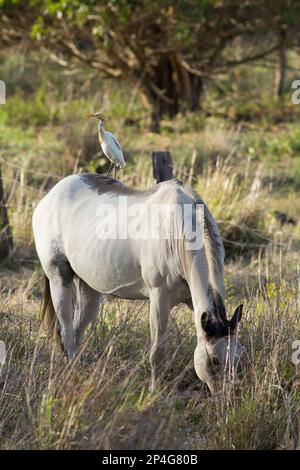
x: 218, y: 352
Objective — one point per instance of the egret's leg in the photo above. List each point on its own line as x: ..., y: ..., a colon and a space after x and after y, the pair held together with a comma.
x: 115, y: 172
x: 111, y: 164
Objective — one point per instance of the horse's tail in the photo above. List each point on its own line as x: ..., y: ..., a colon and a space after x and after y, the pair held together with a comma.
x: 48, y: 313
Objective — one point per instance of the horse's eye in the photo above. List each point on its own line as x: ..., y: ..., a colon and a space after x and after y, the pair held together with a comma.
x: 215, y: 361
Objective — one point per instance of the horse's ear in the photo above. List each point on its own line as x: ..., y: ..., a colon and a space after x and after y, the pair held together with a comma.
x: 236, y: 317
x: 206, y: 323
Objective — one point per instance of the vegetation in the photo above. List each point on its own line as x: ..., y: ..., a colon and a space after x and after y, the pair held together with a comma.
x: 168, y: 50
x: 103, y: 400
x: 241, y: 153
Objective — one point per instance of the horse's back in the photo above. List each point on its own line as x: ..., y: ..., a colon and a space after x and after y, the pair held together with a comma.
x: 88, y: 187
x: 66, y: 224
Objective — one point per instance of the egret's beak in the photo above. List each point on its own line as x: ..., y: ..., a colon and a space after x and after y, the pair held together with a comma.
x: 93, y: 116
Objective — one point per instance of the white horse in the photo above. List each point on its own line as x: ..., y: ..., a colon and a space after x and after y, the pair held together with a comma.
x: 164, y: 270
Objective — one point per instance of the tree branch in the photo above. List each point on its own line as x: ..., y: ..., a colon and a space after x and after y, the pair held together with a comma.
x: 252, y: 58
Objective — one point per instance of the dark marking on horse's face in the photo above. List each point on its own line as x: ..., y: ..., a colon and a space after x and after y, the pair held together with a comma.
x: 60, y: 262
x: 214, y: 321
x: 212, y: 327
x: 104, y: 184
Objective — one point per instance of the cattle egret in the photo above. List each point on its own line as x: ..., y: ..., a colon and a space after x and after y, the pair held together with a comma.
x: 109, y: 143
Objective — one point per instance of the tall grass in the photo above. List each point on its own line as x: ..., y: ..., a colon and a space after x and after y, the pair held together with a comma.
x: 102, y: 401
x: 239, y: 201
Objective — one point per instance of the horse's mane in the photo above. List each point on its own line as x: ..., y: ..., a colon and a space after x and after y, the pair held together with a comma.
x: 214, y: 251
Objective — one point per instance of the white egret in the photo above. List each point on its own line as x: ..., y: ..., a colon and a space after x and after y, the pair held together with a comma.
x: 109, y: 143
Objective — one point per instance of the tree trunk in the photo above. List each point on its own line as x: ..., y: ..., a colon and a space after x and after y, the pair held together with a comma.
x: 6, y: 240
x: 172, y: 89
x: 281, y: 67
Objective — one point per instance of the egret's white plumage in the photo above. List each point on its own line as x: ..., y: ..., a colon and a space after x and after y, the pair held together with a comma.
x: 111, y: 148
x: 110, y: 145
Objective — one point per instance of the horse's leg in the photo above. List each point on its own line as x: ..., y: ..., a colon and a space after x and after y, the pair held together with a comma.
x: 159, y: 313
x: 87, y: 308
x: 61, y: 294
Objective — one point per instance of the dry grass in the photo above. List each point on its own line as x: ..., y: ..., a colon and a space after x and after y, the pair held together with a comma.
x: 102, y: 401
x: 239, y: 202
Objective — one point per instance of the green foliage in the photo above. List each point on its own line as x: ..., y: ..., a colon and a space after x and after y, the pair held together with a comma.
x: 120, y: 39
x: 25, y: 113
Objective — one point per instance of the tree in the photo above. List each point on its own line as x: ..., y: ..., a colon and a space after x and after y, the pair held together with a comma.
x: 167, y: 49
x: 287, y: 30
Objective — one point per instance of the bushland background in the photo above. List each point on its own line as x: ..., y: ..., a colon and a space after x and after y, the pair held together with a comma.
x: 210, y: 81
